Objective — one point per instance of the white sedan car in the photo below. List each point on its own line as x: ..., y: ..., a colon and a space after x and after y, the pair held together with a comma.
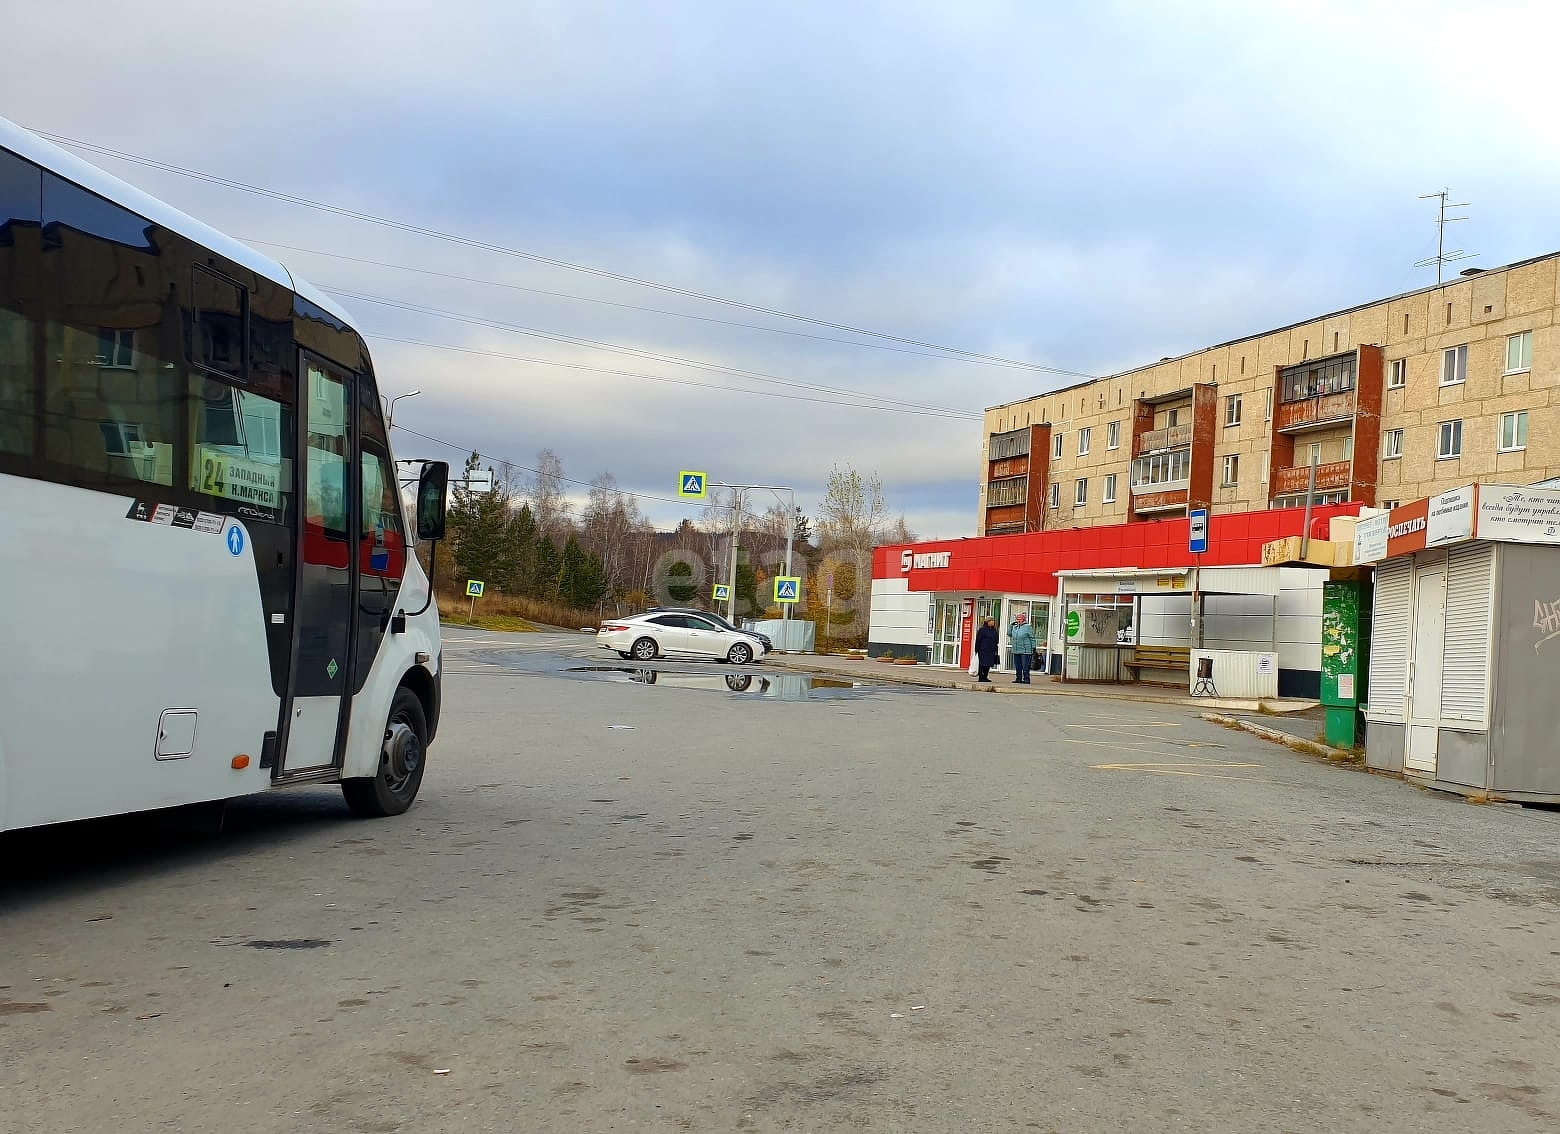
x: 677, y: 634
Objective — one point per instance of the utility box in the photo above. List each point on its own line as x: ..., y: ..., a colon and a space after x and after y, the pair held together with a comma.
x: 1345, y: 658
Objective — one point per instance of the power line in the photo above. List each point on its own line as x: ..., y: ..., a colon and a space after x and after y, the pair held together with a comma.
x: 486, y: 246
x: 574, y: 340
x: 630, y: 306
x: 655, y: 377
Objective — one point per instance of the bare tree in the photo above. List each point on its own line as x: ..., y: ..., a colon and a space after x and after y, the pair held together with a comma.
x: 548, y: 501
x: 853, y: 513
x: 608, y: 520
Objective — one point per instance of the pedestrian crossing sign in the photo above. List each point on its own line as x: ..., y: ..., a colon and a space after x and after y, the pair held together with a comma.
x: 788, y: 589
x: 722, y: 592
x: 692, y: 485
x: 474, y: 588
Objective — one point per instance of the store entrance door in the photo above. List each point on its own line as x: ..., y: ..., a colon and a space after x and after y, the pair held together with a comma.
x: 945, y: 642
x: 1425, y: 671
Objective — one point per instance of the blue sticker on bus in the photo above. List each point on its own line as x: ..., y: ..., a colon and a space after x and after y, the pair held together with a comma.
x: 235, y: 540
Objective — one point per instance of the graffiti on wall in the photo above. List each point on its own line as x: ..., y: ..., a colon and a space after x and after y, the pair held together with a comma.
x: 1546, y: 620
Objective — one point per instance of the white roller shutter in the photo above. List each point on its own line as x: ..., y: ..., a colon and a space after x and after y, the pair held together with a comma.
x: 1465, y: 680
x: 1391, y: 616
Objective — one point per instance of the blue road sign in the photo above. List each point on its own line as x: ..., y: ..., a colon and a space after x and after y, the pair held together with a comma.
x: 692, y: 485
x: 722, y: 592
x: 1198, y: 541
x: 788, y: 588
x: 235, y: 540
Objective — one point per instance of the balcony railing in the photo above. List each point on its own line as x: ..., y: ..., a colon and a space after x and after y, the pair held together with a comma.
x: 1334, y: 474
x: 1003, y: 492
x: 1170, y: 437
x: 1309, y: 413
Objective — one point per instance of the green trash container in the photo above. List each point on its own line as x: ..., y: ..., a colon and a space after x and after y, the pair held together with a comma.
x: 1345, y: 658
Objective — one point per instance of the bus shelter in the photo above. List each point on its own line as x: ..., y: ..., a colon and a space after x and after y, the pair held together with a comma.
x: 1155, y: 625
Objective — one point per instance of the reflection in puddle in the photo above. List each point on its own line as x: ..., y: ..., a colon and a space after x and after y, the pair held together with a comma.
x: 774, y: 687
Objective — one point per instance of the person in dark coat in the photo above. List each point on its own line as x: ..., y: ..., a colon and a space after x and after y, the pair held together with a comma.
x: 986, y: 648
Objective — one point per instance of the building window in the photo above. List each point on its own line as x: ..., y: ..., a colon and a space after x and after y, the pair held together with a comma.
x: 1231, y: 470
x: 1110, y: 488
x: 1390, y: 504
x: 1056, y: 447
x: 1161, y: 471
x: 1519, y: 352
x: 1513, y: 431
x: 1085, y: 439
x: 1056, y: 495
x: 116, y: 349
x: 1080, y: 492
x: 1450, y: 444
x: 1175, y: 418
x: 1268, y: 416
x: 1316, y: 453
x: 1391, y: 444
x: 1113, y: 435
x: 1317, y: 379
x: 1232, y: 410
x: 1454, y: 365
x: 1397, y: 374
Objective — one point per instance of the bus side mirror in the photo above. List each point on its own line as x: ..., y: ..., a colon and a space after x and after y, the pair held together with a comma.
x: 432, y: 491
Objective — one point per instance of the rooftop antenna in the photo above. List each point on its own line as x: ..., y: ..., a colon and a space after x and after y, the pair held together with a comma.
x: 1442, y: 257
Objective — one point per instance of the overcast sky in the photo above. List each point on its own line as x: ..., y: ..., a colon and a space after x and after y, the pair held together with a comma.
x: 1082, y: 186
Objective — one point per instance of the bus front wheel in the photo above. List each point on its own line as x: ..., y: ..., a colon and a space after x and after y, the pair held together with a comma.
x: 402, y: 758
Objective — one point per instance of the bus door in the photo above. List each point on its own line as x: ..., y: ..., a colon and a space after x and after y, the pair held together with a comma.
x: 322, y: 667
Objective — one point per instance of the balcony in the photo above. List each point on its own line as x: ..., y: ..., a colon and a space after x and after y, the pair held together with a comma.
x: 1314, y: 413
x: 1288, y: 481
x: 1171, y: 437
x: 1001, y: 493
x: 1010, y: 466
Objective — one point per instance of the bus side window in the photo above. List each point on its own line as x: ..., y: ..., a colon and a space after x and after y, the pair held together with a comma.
x: 383, y: 541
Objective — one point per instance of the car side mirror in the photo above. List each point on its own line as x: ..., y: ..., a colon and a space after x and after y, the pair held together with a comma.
x: 433, y: 485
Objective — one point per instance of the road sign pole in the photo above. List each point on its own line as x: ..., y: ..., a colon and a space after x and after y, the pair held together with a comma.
x: 736, y: 528
x: 790, y: 535
x: 471, y: 617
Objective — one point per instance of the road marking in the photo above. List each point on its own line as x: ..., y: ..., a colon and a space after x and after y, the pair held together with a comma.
x: 1141, y: 751
x: 1178, y: 770
x: 1148, y: 765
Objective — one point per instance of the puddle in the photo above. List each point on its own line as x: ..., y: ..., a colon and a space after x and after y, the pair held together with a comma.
x: 770, y: 686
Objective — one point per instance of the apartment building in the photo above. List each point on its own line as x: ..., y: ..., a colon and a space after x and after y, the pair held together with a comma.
x: 1393, y: 400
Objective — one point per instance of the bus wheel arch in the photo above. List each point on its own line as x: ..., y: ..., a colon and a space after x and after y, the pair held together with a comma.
x: 402, y: 761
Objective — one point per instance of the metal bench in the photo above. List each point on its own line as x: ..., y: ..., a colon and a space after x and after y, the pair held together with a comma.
x: 1178, y: 658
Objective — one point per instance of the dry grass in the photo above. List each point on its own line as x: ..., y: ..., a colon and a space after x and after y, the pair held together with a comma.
x: 512, y: 612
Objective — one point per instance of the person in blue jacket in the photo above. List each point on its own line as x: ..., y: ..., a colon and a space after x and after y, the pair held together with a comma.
x: 1021, y: 637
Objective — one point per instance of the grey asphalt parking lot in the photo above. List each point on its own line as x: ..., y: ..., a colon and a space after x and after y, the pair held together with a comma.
x: 675, y: 906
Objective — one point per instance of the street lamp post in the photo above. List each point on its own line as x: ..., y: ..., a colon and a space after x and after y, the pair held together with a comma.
x: 390, y: 411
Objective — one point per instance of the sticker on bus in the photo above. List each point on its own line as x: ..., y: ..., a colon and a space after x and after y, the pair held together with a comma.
x: 220, y: 473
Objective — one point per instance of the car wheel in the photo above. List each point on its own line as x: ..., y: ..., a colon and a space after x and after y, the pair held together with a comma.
x: 740, y: 654
x: 645, y: 649
x: 402, y: 758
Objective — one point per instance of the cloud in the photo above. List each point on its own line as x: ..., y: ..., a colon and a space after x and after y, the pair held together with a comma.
x: 1091, y: 187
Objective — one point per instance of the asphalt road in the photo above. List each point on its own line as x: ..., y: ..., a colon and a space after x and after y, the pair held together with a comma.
x: 883, y: 909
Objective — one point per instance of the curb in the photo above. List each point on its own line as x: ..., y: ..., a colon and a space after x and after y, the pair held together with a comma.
x: 1288, y: 740
x: 1051, y: 688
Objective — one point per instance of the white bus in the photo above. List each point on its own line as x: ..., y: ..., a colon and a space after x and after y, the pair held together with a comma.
x: 209, y: 575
